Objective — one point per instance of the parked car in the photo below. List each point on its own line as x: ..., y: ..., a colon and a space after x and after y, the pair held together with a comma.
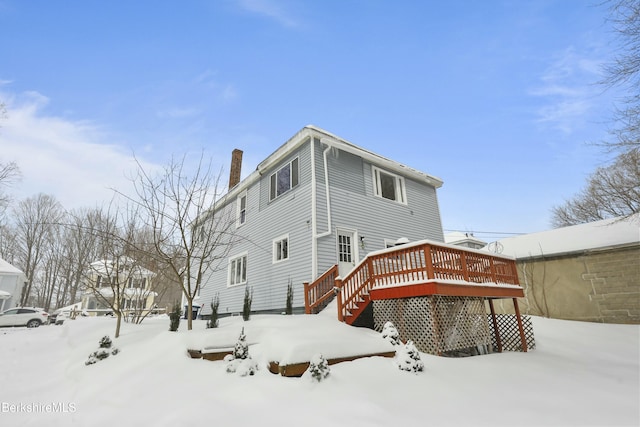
x: 30, y: 317
x: 58, y: 317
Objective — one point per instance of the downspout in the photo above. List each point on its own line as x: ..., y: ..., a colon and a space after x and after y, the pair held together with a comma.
x: 314, y: 248
x: 314, y: 216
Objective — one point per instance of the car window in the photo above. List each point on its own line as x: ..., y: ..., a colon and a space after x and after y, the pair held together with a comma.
x: 25, y: 310
x: 12, y: 311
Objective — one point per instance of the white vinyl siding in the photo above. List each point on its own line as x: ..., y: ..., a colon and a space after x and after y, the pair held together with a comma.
x: 281, y: 248
x: 389, y: 186
x: 284, y: 179
x: 238, y: 270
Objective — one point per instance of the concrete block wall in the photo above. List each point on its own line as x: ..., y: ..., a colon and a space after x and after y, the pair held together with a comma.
x: 596, y: 286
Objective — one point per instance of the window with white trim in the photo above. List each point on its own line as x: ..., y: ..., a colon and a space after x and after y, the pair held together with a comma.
x: 241, y: 209
x: 284, y: 179
x: 238, y: 270
x: 388, y: 185
x: 281, y: 248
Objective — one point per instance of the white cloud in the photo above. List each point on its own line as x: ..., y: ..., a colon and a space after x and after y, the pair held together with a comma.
x: 70, y: 160
x: 568, y: 88
x: 270, y: 8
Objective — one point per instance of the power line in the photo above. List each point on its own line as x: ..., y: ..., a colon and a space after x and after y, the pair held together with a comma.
x: 486, y: 232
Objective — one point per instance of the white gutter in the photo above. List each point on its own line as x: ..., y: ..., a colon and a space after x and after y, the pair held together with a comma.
x: 314, y: 215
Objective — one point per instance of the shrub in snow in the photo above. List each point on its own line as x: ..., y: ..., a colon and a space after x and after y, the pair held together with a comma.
x: 246, y: 306
x: 105, y: 342
x: 390, y: 333
x: 174, y: 317
x: 213, y: 320
x: 242, y: 367
x: 240, y: 361
x: 103, y: 351
x: 408, y: 358
x: 241, y: 349
x: 289, y: 309
x: 318, y: 368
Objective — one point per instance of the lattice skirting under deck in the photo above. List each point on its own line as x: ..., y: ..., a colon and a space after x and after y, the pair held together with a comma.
x: 509, y: 334
x: 444, y: 325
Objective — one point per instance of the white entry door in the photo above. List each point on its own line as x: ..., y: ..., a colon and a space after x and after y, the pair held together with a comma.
x: 347, y: 252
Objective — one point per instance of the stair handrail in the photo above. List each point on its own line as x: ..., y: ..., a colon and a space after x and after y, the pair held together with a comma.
x: 320, y: 290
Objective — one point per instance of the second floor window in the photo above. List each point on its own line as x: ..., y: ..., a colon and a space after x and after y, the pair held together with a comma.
x: 242, y: 209
x: 389, y: 186
x: 284, y: 179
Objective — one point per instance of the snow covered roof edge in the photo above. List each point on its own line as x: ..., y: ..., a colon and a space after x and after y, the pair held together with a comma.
x: 577, y: 238
x: 6, y: 268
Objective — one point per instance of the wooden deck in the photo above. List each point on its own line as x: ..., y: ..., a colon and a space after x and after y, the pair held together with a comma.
x: 419, y: 269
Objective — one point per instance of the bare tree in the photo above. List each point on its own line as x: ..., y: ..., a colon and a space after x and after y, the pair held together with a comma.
x: 34, y: 218
x: 624, y: 72
x: 9, y: 174
x: 612, y: 191
x: 189, y: 236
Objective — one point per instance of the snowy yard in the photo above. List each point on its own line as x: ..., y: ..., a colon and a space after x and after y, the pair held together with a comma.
x: 580, y: 374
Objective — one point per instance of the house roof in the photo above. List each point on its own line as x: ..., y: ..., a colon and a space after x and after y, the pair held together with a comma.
x: 577, y: 238
x: 6, y: 268
x: 107, y: 267
x: 331, y: 140
x: 458, y: 236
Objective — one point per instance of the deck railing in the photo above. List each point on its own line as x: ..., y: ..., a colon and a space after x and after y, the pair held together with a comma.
x: 415, y: 263
x: 319, y: 293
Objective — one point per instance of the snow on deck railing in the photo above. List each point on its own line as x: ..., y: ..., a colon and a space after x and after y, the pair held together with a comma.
x: 421, y: 262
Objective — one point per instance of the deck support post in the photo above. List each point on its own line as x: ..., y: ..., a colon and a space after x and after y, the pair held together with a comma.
x: 338, y: 283
x: 495, y: 325
x: 523, y: 339
x: 307, y: 307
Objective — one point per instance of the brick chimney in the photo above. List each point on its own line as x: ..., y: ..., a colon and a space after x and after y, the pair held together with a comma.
x: 236, y: 168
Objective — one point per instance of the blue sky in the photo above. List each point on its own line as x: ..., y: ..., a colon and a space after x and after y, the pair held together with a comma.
x: 497, y: 98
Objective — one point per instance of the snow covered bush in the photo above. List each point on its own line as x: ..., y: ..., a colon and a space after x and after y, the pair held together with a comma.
x: 213, y: 320
x: 408, y: 358
x: 241, y: 349
x: 103, y: 351
x: 105, y: 342
x: 240, y: 361
x: 390, y: 333
x: 318, y: 369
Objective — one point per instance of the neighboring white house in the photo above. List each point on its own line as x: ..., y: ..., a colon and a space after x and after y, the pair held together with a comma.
x: 467, y: 240
x: 105, y: 278
x: 11, y: 284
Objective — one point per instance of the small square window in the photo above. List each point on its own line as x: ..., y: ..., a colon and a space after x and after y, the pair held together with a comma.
x: 281, y: 249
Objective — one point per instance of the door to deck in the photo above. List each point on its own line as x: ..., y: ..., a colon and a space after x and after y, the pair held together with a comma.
x: 347, y: 256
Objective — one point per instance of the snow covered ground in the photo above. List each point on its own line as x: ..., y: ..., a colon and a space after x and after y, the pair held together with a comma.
x: 580, y: 374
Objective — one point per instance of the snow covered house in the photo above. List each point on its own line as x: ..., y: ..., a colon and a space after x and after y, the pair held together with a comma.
x: 11, y: 284
x: 109, y: 282
x: 317, y: 201
x: 332, y: 218
x: 467, y: 240
x: 588, y: 272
